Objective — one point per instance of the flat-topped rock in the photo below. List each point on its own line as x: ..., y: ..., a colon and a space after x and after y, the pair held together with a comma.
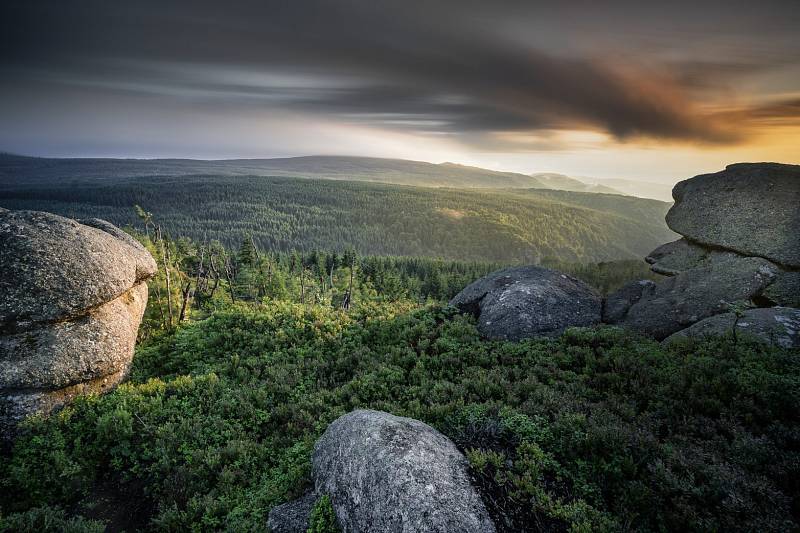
x: 750, y: 208
x: 675, y: 257
x: 530, y: 301
x: 55, y: 268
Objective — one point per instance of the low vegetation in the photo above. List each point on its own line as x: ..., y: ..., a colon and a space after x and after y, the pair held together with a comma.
x: 598, y: 430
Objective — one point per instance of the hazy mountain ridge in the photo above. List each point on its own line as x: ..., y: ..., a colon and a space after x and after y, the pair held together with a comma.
x: 563, y: 182
x: 394, y: 171
x: 30, y: 171
x: 639, y: 188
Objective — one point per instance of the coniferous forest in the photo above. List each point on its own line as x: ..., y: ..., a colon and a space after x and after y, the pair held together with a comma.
x: 286, y: 214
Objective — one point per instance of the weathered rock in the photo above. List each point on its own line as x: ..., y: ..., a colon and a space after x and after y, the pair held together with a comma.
x: 16, y: 405
x: 73, y: 298
x: 679, y: 256
x: 675, y: 257
x: 387, y: 473
x: 751, y: 208
x: 678, y: 302
x: 292, y: 517
x: 55, y: 268
x: 111, y: 229
x: 779, y: 326
x: 524, y: 302
x: 785, y: 290
x: 617, y: 304
x: 65, y: 353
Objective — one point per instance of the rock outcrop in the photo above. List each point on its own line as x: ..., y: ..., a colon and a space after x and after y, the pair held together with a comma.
x: 676, y: 257
x: 785, y: 290
x: 779, y: 326
x: 385, y: 473
x: 523, y: 302
x: 660, y: 309
x: 740, y: 248
x: 73, y: 298
x: 750, y: 208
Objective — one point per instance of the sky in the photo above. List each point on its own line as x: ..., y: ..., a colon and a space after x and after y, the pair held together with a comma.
x: 652, y: 91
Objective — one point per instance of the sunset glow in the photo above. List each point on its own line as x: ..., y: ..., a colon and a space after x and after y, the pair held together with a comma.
x: 629, y: 91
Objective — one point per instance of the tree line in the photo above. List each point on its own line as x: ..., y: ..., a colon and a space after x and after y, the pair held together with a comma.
x: 197, y: 277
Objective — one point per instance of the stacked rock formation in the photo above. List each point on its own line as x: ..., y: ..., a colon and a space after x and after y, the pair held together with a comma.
x: 73, y: 295
x: 740, y: 249
x: 387, y: 473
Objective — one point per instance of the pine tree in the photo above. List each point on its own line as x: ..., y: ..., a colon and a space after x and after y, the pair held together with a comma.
x: 247, y: 252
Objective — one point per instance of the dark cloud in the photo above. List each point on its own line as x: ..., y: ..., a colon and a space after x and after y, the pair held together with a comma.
x: 781, y: 111
x: 465, y: 68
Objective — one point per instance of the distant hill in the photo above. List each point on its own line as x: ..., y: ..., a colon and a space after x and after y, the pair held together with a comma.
x: 34, y: 170
x: 562, y: 182
x: 285, y: 213
x: 642, y: 189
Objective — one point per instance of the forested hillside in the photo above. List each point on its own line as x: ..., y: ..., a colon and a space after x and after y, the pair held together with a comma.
x: 246, y: 357
x: 33, y: 170
x: 282, y: 214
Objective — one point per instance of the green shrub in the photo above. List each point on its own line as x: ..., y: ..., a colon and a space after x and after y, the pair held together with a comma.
x: 48, y: 520
x: 323, y: 518
x: 597, y: 430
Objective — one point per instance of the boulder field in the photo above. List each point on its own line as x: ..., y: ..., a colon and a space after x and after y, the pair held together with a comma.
x: 73, y: 295
x: 739, y: 251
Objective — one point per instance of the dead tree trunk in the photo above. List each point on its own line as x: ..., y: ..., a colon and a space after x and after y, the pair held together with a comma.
x: 160, y: 305
x: 187, y: 290
x: 200, y: 274
x: 230, y: 274
x: 349, y: 299
x: 164, y: 254
x: 214, y: 271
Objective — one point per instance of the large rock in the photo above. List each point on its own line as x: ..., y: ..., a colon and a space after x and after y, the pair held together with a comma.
x: 524, y: 302
x: 661, y: 309
x: 751, y: 208
x: 779, y: 326
x: 385, y: 473
x: 73, y: 298
x: 60, y: 354
x: 55, y: 268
